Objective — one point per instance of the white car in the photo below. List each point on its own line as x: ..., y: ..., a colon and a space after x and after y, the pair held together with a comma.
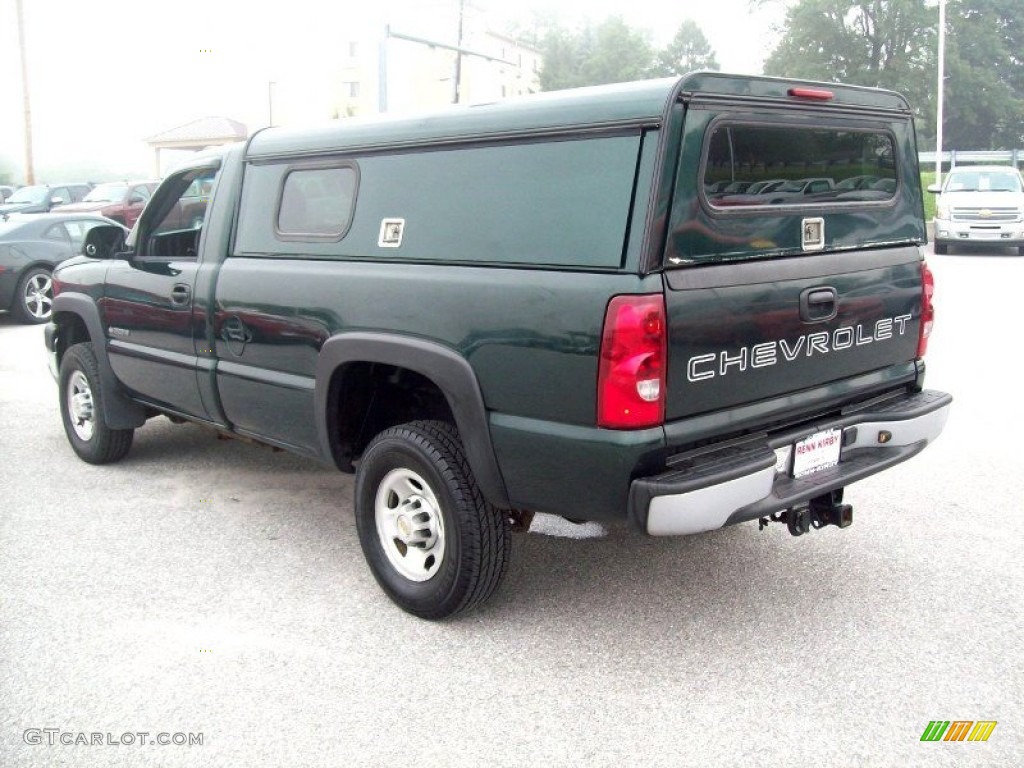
x: 980, y: 205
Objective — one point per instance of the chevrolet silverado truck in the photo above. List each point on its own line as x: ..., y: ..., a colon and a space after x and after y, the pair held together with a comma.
x: 533, y: 305
x: 980, y: 205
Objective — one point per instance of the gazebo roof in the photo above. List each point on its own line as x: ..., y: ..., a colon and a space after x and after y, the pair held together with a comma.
x: 202, y: 132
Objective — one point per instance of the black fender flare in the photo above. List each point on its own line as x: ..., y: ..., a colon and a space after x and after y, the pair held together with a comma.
x: 119, y: 411
x: 452, y: 374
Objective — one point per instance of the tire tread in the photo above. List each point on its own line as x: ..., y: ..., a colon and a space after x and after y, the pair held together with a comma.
x: 486, y: 551
x: 107, y: 445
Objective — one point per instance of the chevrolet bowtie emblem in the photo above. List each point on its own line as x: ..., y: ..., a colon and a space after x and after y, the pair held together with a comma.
x: 985, y: 213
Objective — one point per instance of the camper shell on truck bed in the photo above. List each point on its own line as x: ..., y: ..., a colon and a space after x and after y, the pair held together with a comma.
x: 560, y: 304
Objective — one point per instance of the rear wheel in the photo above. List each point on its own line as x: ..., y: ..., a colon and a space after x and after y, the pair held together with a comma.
x: 81, y: 409
x: 434, y: 544
x: 33, y: 299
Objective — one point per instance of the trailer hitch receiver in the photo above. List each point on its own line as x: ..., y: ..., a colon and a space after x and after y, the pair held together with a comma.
x: 827, y: 509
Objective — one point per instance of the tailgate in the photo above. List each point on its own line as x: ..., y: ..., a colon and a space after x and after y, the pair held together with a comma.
x: 792, y: 254
x: 744, y: 332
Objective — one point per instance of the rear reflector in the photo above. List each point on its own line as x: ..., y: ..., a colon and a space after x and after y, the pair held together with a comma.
x: 818, y: 94
x: 927, y: 309
x: 631, y: 376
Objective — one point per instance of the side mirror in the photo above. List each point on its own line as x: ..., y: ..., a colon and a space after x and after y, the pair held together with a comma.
x: 56, y: 201
x: 103, y: 241
x: 136, y: 199
x: 935, y: 188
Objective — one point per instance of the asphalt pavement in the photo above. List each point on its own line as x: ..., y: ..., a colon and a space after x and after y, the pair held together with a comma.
x: 214, y: 591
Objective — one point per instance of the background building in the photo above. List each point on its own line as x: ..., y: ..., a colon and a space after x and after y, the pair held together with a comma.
x: 397, y: 71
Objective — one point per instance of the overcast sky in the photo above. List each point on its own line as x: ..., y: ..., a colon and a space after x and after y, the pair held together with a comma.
x: 105, y: 76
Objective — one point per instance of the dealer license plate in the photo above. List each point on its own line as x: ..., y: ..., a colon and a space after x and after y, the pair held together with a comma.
x: 817, y: 452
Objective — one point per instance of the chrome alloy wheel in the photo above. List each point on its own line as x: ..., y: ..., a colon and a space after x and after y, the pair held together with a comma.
x: 80, y: 406
x: 38, y: 296
x: 409, y: 524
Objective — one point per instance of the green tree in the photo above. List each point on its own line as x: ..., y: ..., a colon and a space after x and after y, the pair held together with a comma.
x: 611, y: 52
x: 881, y: 43
x: 562, y: 56
x: 688, y: 51
x: 893, y: 44
x: 984, y: 94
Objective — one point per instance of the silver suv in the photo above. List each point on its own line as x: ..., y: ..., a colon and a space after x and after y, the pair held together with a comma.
x: 980, y: 205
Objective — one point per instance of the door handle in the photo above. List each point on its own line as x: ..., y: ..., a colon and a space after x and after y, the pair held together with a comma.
x: 235, y: 330
x: 181, y: 294
x: 819, y: 304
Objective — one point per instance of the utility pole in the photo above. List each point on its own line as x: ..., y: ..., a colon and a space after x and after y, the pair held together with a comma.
x: 30, y: 171
x: 460, y: 51
x: 382, y: 71
x: 270, y: 103
x: 939, y: 92
x: 458, y: 55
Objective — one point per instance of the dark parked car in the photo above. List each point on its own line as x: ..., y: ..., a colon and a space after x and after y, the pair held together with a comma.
x: 30, y: 247
x: 121, y: 201
x: 41, y: 198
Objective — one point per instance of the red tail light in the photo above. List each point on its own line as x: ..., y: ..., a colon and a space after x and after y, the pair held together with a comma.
x: 927, y: 309
x: 631, y: 377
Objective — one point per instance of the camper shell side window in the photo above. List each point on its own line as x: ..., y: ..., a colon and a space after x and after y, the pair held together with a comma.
x: 317, y: 203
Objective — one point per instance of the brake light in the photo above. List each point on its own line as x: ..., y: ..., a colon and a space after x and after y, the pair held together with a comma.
x: 927, y: 309
x: 631, y: 376
x: 818, y: 94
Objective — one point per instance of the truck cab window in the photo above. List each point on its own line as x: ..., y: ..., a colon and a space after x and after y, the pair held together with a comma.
x: 174, y: 223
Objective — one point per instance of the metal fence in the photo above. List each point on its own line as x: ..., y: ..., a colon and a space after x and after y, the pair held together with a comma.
x: 953, y: 157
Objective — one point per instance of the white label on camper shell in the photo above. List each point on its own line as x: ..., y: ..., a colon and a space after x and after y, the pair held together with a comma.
x: 391, y: 233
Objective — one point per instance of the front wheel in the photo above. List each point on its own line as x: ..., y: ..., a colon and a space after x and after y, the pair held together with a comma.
x: 434, y: 544
x: 941, y: 249
x: 81, y: 409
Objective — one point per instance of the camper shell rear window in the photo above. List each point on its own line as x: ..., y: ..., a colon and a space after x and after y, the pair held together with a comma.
x: 764, y: 165
x: 760, y: 184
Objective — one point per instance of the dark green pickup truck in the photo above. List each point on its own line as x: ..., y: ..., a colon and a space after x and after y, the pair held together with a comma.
x: 688, y: 302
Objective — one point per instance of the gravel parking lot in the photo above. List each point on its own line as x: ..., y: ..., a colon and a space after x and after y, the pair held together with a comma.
x: 212, y: 587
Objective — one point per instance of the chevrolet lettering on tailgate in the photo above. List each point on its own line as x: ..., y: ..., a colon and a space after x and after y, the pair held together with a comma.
x: 768, y: 353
